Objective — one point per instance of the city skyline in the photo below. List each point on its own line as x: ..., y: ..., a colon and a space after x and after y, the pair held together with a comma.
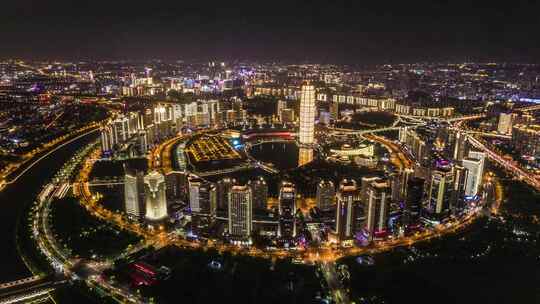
x: 318, y: 152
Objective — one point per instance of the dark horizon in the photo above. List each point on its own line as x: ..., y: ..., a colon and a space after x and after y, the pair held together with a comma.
x: 344, y: 33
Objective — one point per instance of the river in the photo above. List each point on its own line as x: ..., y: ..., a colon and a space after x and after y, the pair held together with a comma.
x: 18, y: 195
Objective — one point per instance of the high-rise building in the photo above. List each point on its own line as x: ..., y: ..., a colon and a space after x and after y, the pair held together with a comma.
x: 108, y: 140
x: 325, y: 194
x: 461, y: 175
x: 472, y: 184
x: 287, y: 210
x: 506, y: 120
x: 154, y: 193
x: 347, y: 200
x: 280, y: 106
x: 223, y: 188
x: 526, y: 139
x: 413, y: 201
x: 121, y: 129
x: 439, y: 194
x: 240, y: 212
x: 481, y: 156
x: 307, y: 115
x: 200, y: 196
x: 259, y: 190
x: 459, y: 146
x: 334, y: 110
x: 365, y: 182
x: 377, y: 209
x: 134, y: 194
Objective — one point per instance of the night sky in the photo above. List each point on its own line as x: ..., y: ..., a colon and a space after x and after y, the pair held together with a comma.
x: 316, y: 31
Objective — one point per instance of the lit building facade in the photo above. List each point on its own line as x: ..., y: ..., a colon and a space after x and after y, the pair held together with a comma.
x: 307, y: 115
x: 155, y: 196
x: 259, y: 191
x: 240, y: 212
x: 472, y: 184
x: 134, y: 194
x: 376, y: 209
x: 325, y: 194
x: 287, y: 210
x: 347, y: 200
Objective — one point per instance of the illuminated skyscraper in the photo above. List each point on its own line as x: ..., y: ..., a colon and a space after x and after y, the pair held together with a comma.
x: 223, y: 188
x: 201, y: 196
x: 481, y: 156
x: 506, y: 120
x: 413, y: 201
x: 134, y: 194
x: 325, y: 194
x: 472, y: 184
x: 240, y: 211
x: 439, y: 194
x: 347, y: 200
x: 155, y: 197
x: 377, y: 208
x: 287, y: 210
x: 307, y: 115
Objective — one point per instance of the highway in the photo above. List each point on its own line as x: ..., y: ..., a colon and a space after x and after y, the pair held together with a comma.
x: 36, y: 161
x: 509, y: 165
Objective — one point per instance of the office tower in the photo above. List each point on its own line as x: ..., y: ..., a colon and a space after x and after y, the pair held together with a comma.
x: 176, y: 188
x: 376, y: 209
x: 287, y: 210
x: 108, y: 140
x: 439, y: 194
x: 223, y: 187
x: 325, y: 194
x: 213, y: 199
x: 459, y: 146
x: 481, y: 156
x: 398, y: 184
x: 413, y: 200
x: 280, y: 106
x: 121, y: 129
x: 506, y: 120
x: 461, y: 175
x: 305, y: 156
x: 134, y: 193
x: 526, y: 140
x: 347, y: 200
x: 240, y: 211
x: 364, y: 184
x: 154, y: 193
x: 142, y: 141
x: 259, y: 191
x: 472, y: 184
x: 133, y: 121
x: 334, y: 110
x: 307, y: 115
x: 200, y: 196
x: 403, y: 134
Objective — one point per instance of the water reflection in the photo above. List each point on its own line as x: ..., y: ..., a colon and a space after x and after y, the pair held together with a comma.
x: 305, y: 155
